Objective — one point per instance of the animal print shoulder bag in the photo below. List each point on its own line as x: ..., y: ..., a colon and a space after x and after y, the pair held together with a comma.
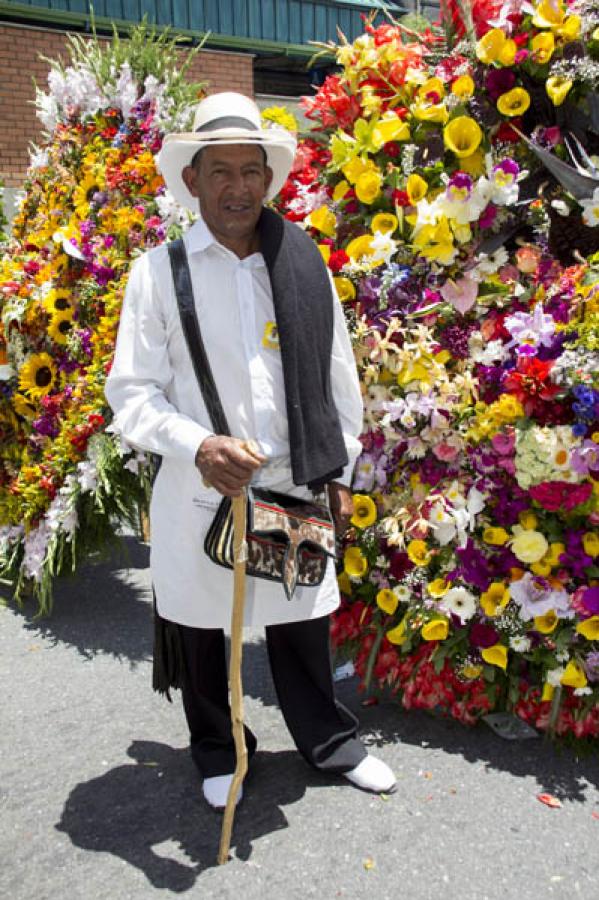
x: 289, y: 540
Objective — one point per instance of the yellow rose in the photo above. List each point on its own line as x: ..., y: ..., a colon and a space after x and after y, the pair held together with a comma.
x: 529, y: 546
x: 387, y: 601
x: 558, y: 88
x: 437, y: 588
x: 416, y: 188
x: 546, y: 623
x: 368, y: 187
x: 495, y: 655
x: 462, y: 136
x: 419, y: 553
x: 463, y: 87
x: 364, y: 511
x: 345, y: 288
x: 495, y: 536
x: 385, y: 223
x: 354, y: 562
x: 589, y: 628
x: 324, y: 220
x: 435, y: 629
x: 574, y: 676
x: 489, y: 47
x: 495, y: 598
x: 514, y: 102
x: 542, y: 47
x: 590, y: 542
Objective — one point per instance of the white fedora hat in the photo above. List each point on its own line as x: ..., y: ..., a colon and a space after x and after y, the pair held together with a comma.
x: 225, y: 118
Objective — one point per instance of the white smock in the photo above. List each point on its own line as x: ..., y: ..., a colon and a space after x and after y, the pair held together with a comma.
x: 158, y: 407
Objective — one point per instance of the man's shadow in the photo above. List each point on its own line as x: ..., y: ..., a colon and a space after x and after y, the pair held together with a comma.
x: 133, y: 809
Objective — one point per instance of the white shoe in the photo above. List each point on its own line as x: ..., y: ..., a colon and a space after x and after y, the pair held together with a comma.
x: 372, y: 774
x: 216, y: 791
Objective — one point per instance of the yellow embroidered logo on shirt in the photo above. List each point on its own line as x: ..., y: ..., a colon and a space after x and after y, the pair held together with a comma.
x: 270, y: 337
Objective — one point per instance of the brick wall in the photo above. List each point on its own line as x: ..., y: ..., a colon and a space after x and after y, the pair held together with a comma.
x: 20, y: 47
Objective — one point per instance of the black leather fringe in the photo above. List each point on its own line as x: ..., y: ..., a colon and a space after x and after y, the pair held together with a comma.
x: 168, y: 663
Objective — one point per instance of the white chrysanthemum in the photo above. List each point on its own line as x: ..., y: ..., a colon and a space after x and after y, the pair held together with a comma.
x: 460, y: 602
x: 520, y: 643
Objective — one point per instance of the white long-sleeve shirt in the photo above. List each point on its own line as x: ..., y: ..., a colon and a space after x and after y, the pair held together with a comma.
x: 158, y: 406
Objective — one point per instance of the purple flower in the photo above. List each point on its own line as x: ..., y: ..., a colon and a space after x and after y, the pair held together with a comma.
x: 591, y: 666
x: 590, y: 601
x: 499, y: 81
x: 482, y: 635
x: 488, y: 216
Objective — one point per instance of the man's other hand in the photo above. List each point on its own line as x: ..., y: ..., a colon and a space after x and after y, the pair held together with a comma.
x: 227, y: 463
x: 342, y: 505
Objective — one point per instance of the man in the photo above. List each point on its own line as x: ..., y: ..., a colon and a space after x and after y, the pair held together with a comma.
x: 282, y: 363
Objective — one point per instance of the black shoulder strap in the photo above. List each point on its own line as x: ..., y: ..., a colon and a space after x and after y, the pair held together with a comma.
x: 193, y: 336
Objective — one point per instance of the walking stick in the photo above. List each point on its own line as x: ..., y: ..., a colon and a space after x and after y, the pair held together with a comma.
x: 241, y: 753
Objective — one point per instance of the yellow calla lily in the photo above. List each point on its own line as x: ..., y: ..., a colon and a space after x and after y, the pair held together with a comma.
x: 514, y: 102
x: 495, y: 598
x: 463, y: 87
x: 489, y: 47
x: 345, y: 289
x: 546, y: 623
x: 364, y: 513
x: 390, y: 129
x: 387, y: 601
x: 344, y: 583
x: 574, y: 676
x: 507, y: 54
x: 340, y: 191
x: 435, y: 629
x: 589, y: 628
x: 542, y: 47
x: 419, y: 553
x: 368, y: 187
x: 416, y: 188
x: 398, y: 634
x: 385, y: 223
x: 462, y: 136
x: 324, y: 220
x: 495, y: 655
x: 354, y: 562
x: 558, y: 88
x: 359, y: 247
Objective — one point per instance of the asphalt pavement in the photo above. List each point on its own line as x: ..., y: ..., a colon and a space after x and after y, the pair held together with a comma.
x: 99, y: 797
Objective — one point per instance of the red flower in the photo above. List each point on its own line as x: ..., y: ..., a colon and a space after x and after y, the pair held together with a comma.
x: 337, y: 260
x: 556, y: 495
x: 529, y: 382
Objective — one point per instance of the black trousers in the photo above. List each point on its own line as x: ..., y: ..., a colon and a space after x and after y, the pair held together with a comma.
x: 324, y: 731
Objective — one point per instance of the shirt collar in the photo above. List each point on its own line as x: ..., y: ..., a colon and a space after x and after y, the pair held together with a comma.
x: 199, y: 238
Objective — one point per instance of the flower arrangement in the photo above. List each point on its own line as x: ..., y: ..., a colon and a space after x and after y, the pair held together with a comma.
x: 93, y: 199
x: 470, y: 578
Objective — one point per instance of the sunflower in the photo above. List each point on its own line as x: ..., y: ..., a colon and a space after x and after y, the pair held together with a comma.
x: 57, y: 301
x: 37, y: 375
x: 24, y: 407
x: 60, y: 327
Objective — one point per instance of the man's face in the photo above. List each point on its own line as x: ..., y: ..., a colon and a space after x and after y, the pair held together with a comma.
x: 231, y: 182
